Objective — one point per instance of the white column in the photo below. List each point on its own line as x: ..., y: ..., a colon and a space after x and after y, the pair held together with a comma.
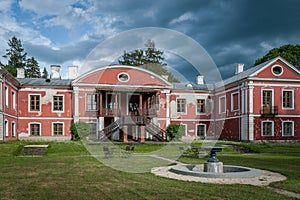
x: 76, y: 104
x: 167, y: 108
x: 251, y: 118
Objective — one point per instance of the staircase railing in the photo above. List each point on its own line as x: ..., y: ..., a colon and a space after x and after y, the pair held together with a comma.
x: 156, y: 131
x: 109, y: 130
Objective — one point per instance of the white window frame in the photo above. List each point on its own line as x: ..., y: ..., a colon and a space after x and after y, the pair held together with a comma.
x: 293, y: 98
x: 185, y: 128
x: 201, y: 113
x: 6, y: 128
x: 232, y: 102
x: 221, y: 97
x: 293, y: 128
x: 262, y: 129
x: 63, y: 103
x: 86, y: 101
x: 13, y: 129
x: 185, y: 106
x: 29, y: 133
x: 197, y: 129
x: 63, y: 129
x: 262, y: 92
x: 6, y: 96
x: 13, y: 96
x: 40, y: 105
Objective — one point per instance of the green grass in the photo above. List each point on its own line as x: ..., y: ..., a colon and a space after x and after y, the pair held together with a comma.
x: 68, y: 171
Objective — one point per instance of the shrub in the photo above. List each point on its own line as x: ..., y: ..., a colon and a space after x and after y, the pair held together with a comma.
x: 175, y: 131
x: 80, y: 130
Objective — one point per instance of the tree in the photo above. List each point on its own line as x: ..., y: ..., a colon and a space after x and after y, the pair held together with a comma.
x: 32, y: 69
x: 15, y: 55
x: 289, y: 52
x: 150, y: 59
x: 175, y: 131
x: 45, y: 73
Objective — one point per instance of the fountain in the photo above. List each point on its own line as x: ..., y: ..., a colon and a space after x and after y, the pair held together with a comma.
x: 213, y: 168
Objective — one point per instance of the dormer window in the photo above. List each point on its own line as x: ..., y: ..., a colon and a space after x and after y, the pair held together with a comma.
x: 123, y: 77
x: 277, y: 70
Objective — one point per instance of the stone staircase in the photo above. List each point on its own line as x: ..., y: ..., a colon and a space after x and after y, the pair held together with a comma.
x: 34, y: 150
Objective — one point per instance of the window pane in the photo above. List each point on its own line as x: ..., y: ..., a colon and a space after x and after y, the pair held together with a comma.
x: 267, y: 129
x: 58, y: 103
x: 181, y: 105
x: 287, y: 99
x: 287, y: 129
x: 34, y: 103
x: 200, y: 105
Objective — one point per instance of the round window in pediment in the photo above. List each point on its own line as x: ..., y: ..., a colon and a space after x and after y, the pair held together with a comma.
x: 123, y: 77
x: 277, y: 70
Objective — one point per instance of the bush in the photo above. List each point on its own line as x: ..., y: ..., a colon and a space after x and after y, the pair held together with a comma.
x: 80, y: 130
x: 175, y: 132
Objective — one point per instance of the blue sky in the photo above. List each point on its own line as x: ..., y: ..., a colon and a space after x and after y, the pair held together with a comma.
x: 64, y: 32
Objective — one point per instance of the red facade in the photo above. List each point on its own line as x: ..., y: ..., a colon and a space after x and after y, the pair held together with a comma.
x: 127, y: 103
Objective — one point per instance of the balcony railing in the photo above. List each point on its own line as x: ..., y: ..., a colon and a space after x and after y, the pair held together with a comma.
x: 108, y: 112
x: 104, y: 112
x: 268, y: 111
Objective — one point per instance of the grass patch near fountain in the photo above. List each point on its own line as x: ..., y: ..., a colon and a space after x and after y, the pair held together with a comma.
x: 68, y: 171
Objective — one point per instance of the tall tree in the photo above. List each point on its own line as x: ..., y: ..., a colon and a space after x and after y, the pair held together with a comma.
x: 15, y: 55
x: 289, y: 52
x: 150, y: 59
x: 32, y: 69
x: 45, y: 73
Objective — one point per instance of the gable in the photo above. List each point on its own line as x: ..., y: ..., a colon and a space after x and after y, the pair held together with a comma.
x: 276, y: 70
x: 122, y: 75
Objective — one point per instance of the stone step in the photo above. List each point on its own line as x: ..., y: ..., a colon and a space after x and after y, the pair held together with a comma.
x: 34, y: 150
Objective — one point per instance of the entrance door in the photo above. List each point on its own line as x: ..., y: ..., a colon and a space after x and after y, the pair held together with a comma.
x: 134, y: 105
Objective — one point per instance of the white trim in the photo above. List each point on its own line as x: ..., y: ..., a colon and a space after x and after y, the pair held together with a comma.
x: 293, y: 128
x: 232, y: 101
x: 293, y: 98
x: 200, y: 113
x: 201, y: 124
x: 220, y: 111
x: 45, y: 118
x: 6, y: 96
x: 262, y: 130
x: 63, y: 103
x: 86, y: 101
x: 267, y: 89
x: 40, y: 133
x: 63, y: 129
x: 272, y: 70
x: 123, y: 81
x: 40, y: 105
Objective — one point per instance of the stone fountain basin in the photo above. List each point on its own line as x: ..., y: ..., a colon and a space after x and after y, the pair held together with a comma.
x: 229, y: 171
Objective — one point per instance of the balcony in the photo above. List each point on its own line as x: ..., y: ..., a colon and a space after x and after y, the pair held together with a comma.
x: 268, y: 111
x: 107, y: 112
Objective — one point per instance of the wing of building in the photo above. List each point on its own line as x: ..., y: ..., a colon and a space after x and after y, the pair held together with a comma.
x: 133, y: 104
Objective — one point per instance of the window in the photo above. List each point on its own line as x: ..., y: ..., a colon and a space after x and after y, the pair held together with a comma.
x: 91, y: 101
x: 267, y: 128
x: 93, y: 128
x: 13, y: 129
x: 277, y: 70
x: 235, y: 101
x: 35, y: 129
x: 58, y: 103
x: 201, y: 130
x: 222, y: 104
x: 13, y: 95
x: 267, y: 97
x: 200, y: 105
x: 287, y: 99
x: 58, y: 129
x: 6, y: 96
x: 34, y: 102
x: 157, y: 103
x: 6, y: 128
x: 123, y: 77
x: 288, y: 128
x: 181, y: 104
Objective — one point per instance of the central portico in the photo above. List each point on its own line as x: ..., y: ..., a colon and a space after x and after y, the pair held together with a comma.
x: 122, y: 102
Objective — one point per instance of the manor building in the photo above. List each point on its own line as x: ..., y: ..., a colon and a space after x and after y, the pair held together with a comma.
x: 127, y: 103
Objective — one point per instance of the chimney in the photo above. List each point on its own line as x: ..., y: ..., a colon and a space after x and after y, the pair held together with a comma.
x: 200, y: 79
x: 20, y: 73
x: 55, y: 72
x: 72, y: 72
x: 239, y: 68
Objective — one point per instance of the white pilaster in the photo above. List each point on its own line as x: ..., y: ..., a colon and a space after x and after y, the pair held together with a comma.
x: 76, y: 104
x: 167, y: 108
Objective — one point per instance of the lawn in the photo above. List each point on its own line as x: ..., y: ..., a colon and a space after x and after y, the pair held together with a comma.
x: 69, y: 171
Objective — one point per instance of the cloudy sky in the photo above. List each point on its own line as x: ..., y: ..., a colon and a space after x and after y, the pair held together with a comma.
x: 64, y: 32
